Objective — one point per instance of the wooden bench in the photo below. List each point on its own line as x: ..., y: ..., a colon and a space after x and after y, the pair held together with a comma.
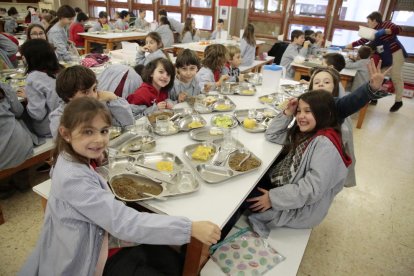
x: 289, y: 242
x: 40, y: 154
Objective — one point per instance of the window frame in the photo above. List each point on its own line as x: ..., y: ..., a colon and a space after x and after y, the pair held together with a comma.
x: 201, y: 11
x: 269, y: 17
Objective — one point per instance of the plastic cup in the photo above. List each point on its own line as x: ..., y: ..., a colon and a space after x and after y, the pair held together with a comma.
x: 162, y: 124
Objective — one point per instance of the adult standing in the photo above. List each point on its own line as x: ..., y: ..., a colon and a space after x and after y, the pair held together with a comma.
x: 390, y: 49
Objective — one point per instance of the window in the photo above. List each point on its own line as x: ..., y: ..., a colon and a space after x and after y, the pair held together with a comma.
x: 304, y: 28
x: 311, y: 8
x: 343, y: 37
x: 170, y: 2
x: 408, y: 43
x: 401, y: 12
x: 204, y: 22
x: 266, y: 6
x: 203, y: 13
x: 201, y: 3
x: 403, y: 18
x: 357, y: 10
x: 94, y: 11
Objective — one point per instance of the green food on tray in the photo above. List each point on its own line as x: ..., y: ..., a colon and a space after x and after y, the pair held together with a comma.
x: 223, y: 121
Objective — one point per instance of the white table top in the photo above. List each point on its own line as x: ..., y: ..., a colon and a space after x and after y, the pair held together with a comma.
x: 345, y: 72
x: 114, y: 35
x: 244, y: 69
x: 196, y: 46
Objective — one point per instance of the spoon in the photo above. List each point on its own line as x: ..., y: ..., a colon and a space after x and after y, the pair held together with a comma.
x: 153, y: 196
x: 244, y: 159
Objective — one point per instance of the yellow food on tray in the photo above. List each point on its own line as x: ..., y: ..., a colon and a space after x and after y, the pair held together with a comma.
x: 195, y: 124
x: 202, y: 153
x: 249, y: 123
x: 165, y: 166
x: 247, y: 92
x: 222, y: 107
x: 267, y: 99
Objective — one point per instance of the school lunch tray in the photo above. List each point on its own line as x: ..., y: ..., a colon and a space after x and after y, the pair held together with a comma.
x: 238, y: 88
x: 260, y: 117
x: 294, y: 90
x: 129, y: 143
x: 275, y: 100
x: 180, y: 120
x: 213, y: 102
x: 143, y: 167
x: 213, y: 174
x: 206, y: 134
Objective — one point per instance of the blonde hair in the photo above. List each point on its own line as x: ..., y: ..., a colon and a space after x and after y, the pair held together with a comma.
x: 232, y: 50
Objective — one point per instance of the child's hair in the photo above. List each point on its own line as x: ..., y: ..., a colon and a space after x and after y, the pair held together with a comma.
x: 375, y: 16
x: 29, y: 14
x: 73, y: 79
x: 12, y: 11
x: 249, y: 36
x: 318, y: 32
x: 81, y: 17
x: 40, y: 56
x: 48, y: 17
x: 79, y: 112
x: 336, y: 60
x: 308, y: 35
x: 2, y: 94
x: 139, y: 68
x: 323, y: 108
x: 31, y: 26
x: 187, y: 57
x: 188, y: 27
x: 103, y: 14
x: 335, y: 77
x: 150, y: 68
x: 123, y: 14
x: 65, y: 11
x: 215, y: 56
x: 3, y: 10
x: 295, y: 34
x: 232, y: 50
x: 220, y: 20
x: 78, y: 10
x: 162, y: 12
x: 364, y: 52
x: 155, y: 36
x: 164, y: 21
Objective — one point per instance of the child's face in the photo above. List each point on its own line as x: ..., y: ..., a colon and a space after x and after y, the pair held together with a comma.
x: 151, y: 45
x: 324, y: 81
x: 67, y: 21
x: 160, y: 77
x: 126, y: 18
x: 299, y: 40
x: 91, y: 92
x: 187, y: 73
x: 319, y: 37
x: 220, y: 26
x: 142, y: 14
x: 103, y: 20
x: 37, y: 32
x: 193, y: 24
x: 89, y: 140
x: 236, y: 60
x: 304, y: 117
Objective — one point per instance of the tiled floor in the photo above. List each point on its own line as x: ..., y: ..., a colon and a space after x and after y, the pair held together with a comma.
x: 368, y: 231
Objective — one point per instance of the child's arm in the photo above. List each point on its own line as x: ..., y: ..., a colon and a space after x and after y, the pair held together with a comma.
x: 54, y: 120
x: 205, y: 77
x: 121, y: 112
x: 36, y: 99
x: 60, y: 41
x: 305, y: 49
x: 15, y: 106
x: 278, y: 127
x: 353, y: 64
x: 140, y: 57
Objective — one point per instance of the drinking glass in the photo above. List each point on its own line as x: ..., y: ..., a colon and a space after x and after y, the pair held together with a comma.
x: 162, y: 123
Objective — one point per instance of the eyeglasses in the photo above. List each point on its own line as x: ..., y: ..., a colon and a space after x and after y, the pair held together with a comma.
x: 37, y: 34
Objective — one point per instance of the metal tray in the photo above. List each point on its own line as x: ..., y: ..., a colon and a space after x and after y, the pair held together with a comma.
x: 206, y: 134
x: 241, y: 88
x: 211, y: 173
x: 262, y: 117
x: 294, y: 90
x: 231, y: 119
x: 180, y: 120
x: 275, y: 100
x: 179, y: 181
x: 130, y: 144
x: 213, y: 103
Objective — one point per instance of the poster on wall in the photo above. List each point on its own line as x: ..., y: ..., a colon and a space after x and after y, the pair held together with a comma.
x: 229, y: 3
x: 224, y: 13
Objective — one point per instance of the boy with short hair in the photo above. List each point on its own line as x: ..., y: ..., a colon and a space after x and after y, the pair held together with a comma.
x: 78, y: 81
x: 336, y: 61
x: 231, y: 67
x: 10, y: 26
x: 298, y: 46
x: 360, y: 64
x: 217, y: 34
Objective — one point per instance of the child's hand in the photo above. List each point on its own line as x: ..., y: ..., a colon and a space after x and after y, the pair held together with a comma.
x: 21, y: 92
x: 206, y: 232
x: 142, y: 49
x: 181, y: 97
x: 106, y: 96
x: 169, y: 105
x: 291, y: 107
x: 306, y: 44
x: 222, y: 79
x: 207, y: 87
x: 262, y: 203
x: 145, y: 48
x: 376, y: 76
x: 349, y: 46
x: 241, y: 78
x: 161, y: 105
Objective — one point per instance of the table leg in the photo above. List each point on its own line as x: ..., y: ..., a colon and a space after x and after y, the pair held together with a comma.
x: 109, y: 46
x: 1, y: 217
x: 87, y: 46
x: 44, y: 203
x: 297, y: 75
x: 361, y: 116
x: 344, y: 82
x: 196, y: 256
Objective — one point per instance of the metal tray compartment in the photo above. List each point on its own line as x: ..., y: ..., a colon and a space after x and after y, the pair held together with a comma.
x: 211, y: 173
x: 213, y: 103
x: 241, y: 88
x: 206, y: 134
x: 262, y: 117
x: 180, y: 120
x: 295, y: 90
x: 275, y: 100
x: 224, y: 121
x: 130, y: 144
x: 150, y: 160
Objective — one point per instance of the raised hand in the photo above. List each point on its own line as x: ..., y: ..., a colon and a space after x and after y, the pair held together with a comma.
x: 375, y: 74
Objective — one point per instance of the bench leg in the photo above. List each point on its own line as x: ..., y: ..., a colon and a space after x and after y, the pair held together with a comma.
x: 1, y: 216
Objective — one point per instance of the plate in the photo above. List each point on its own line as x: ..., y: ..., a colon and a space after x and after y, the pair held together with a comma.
x: 261, y: 118
x: 206, y: 134
x: 213, y: 103
x: 224, y: 121
x: 276, y: 100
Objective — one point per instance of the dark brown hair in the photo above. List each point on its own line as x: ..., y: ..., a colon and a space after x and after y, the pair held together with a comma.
x: 188, y: 27
x: 79, y: 112
x: 73, y: 79
x: 155, y: 36
x: 249, y: 36
x: 215, y: 56
x: 33, y: 25
x: 375, y: 16
x: 335, y: 77
x: 164, y: 21
x: 187, y: 57
x: 336, y: 60
x: 150, y: 68
x: 295, y: 34
x: 364, y: 52
x: 65, y: 11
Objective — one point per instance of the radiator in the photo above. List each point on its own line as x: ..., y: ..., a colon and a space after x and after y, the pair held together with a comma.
x: 408, y: 72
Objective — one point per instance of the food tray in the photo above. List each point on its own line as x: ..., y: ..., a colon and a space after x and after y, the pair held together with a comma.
x: 275, y: 100
x: 212, y: 173
x: 213, y: 103
x: 259, y: 116
x: 242, y: 88
x: 224, y: 121
x: 177, y: 182
x: 206, y: 134
x: 254, y: 78
x: 131, y: 144
x: 294, y: 90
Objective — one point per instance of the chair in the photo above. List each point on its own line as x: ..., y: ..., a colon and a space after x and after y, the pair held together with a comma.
x: 277, y: 51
